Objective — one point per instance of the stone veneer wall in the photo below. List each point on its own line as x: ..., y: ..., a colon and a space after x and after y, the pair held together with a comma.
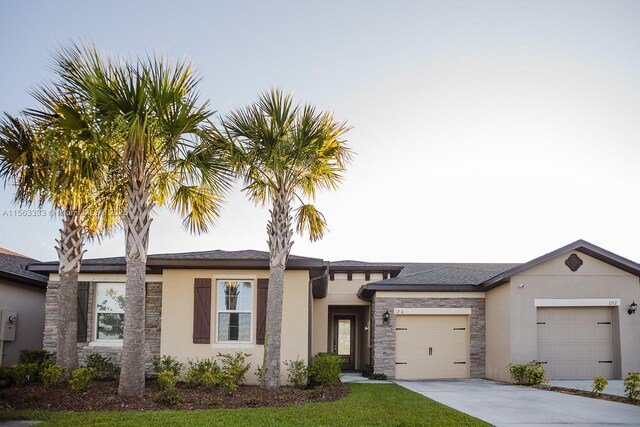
x: 383, y: 354
x: 152, y: 325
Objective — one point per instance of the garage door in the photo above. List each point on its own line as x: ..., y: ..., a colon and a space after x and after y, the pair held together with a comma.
x: 576, y: 342
x: 432, y: 346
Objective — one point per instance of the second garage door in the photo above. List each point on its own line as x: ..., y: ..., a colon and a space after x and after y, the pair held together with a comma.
x: 432, y: 346
x: 576, y: 342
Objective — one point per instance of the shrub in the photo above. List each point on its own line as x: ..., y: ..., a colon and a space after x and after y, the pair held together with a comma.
x: 531, y: 373
x: 24, y: 373
x: 298, y: 374
x: 36, y: 356
x: 235, y: 365
x: 227, y: 382
x: 168, y: 393
x: 167, y: 364
x: 5, y: 373
x: 378, y: 376
x: 198, y: 369
x: 80, y: 378
x: 103, y: 367
x: 260, y: 373
x: 599, y: 384
x: 367, y: 370
x: 325, y: 369
x: 632, y: 385
x: 52, y: 375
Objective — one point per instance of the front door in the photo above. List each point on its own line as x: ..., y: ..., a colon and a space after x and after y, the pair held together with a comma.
x: 344, y: 340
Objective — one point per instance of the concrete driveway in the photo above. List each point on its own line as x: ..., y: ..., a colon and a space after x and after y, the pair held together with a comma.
x: 508, y: 405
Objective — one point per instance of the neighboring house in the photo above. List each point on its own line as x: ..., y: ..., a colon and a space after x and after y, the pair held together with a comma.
x: 22, y: 296
x: 568, y: 309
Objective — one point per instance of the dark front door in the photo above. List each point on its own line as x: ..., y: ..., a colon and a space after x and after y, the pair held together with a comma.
x: 344, y: 340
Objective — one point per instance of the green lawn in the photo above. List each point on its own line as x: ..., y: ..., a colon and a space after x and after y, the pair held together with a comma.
x: 367, y: 404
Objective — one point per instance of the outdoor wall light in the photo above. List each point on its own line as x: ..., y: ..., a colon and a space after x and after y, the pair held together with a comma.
x: 386, y: 316
x: 632, y: 308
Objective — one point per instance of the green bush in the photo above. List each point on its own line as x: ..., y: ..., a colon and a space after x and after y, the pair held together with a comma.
x: 298, y: 374
x: 105, y: 370
x: 202, y: 372
x: 80, y: 378
x: 235, y: 365
x: 227, y: 381
x: 5, y: 373
x: 260, y: 374
x: 24, y: 373
x: 36, y: 356
x: 52, y: 375
x: 531, y: 373
x: 378, y: 376
x: 632, y: 386
x: 325, y: 369
x: 367, y: 370
x: 169, y: 395
x: 599, y: 384
x: 167, y: 364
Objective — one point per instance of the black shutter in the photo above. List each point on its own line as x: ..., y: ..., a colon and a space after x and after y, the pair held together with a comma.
x: 202, y: 311
x: 261, y: 315
x: 83, y: 310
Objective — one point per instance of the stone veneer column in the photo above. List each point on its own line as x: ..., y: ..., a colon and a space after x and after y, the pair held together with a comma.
x: 153, y: 316
x: 383, y: 355
x: 51, y: 317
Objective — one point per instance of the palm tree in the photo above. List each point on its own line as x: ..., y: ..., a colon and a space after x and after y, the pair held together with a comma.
x: 154, y: 107
x: 48, y: 162
x: 285, y: 153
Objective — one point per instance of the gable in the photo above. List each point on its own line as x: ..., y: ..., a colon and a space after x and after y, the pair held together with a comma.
x: 590, y: 267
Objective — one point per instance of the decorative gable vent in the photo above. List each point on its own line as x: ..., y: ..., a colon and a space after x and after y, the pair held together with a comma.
x: 573, y: 262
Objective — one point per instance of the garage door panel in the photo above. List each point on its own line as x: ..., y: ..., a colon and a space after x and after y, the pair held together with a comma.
x: 574, y: 341
x: 446, y: 336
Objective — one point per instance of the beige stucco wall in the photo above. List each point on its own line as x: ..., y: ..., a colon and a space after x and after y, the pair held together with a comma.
x: 28, y: 302
x: 343, y: 292
x: 177, y: 317
x: 553, y: 279
x: 498, y: 320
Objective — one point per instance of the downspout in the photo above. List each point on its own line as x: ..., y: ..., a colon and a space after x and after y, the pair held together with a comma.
x: 310, y: 312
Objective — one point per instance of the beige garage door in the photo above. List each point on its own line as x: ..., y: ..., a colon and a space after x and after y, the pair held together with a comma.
x: 432, y: 346
x: 576, y: 342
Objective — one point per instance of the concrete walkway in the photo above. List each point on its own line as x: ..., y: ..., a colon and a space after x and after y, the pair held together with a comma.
x: 356, y: 377
x: 509, y: 405
x: 615, y: 387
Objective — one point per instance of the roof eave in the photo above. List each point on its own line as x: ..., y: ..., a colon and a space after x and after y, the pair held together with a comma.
x: 41, y: 284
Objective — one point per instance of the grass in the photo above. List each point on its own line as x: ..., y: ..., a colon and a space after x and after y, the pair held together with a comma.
x: 366, y: 405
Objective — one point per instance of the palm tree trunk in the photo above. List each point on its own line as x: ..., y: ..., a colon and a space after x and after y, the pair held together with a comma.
x: 70, y: 251
x: 137, y: 222
x: 280, y: 234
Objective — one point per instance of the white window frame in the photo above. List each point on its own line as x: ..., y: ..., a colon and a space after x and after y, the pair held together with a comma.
x: 251, y: 312
x: 95, y: 315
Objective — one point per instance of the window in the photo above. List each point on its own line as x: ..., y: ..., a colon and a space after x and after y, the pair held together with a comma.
x: 234, y: 307
x: 109, y: 311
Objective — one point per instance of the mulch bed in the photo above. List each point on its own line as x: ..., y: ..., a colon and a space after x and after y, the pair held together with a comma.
x: 103, y: 396
x: 585, y: 393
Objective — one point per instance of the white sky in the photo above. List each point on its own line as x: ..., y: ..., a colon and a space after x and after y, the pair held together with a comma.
x: 485, y: 131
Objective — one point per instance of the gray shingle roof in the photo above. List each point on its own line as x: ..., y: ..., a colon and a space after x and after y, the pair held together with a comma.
x: 12, y: 266
x: 446, y: 274
x: 155, y: 262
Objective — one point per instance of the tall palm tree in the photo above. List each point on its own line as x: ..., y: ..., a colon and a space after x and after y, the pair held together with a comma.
x: 48, y: 162
x: 154, y: 107
x: 285, y: 153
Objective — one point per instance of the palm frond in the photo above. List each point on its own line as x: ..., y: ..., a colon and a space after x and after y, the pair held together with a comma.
x: 308, y: 219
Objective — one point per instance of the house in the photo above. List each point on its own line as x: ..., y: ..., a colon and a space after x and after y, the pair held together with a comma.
x: 22, y: 296
x: 572, y: 309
